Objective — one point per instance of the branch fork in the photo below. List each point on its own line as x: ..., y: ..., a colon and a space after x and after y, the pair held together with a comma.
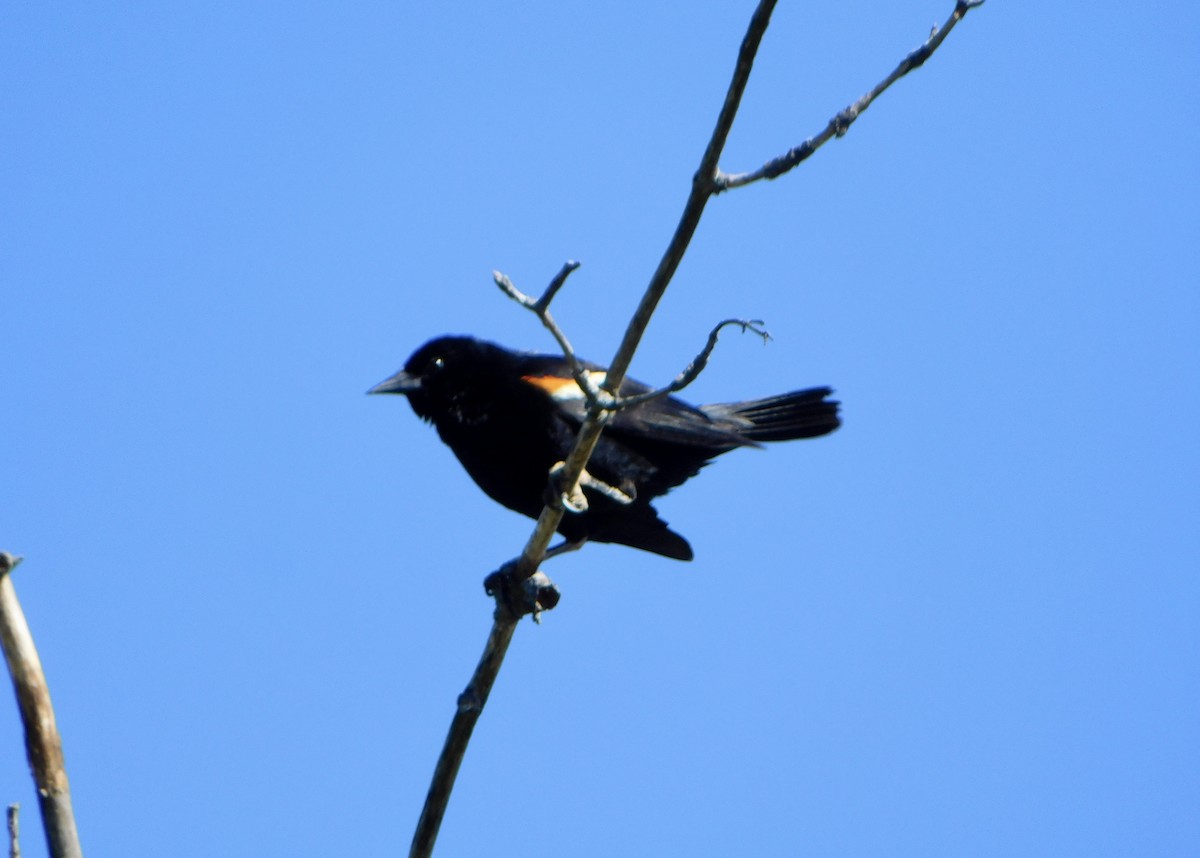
x: 840, y: 124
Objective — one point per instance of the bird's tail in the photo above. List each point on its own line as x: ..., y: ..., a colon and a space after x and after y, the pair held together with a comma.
x: 799, y: 414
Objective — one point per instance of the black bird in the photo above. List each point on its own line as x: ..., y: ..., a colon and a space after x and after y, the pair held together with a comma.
x: 511, y: 416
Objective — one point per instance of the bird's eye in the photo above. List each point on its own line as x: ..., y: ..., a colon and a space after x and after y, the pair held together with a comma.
x: 436, y: 364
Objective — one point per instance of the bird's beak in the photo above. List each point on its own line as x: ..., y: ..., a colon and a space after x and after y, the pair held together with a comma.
x: 402, y: 382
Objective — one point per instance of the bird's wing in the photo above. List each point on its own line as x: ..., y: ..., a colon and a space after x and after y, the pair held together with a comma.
x: 664, y: 420
x: 645, y: 450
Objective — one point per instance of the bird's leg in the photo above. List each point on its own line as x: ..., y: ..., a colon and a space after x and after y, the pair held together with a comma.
x: 573, y: 499
x: 565, y: 547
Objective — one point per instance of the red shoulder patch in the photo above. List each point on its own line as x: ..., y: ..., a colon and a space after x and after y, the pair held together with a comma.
x: 562, y: 389
x: 555, y: 385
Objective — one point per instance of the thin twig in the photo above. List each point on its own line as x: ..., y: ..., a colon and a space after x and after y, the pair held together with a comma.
x: 541, y: 308
x: 555, y: 284
x: 43, y: 745
x: 595, y: 397
x: 470, y: 705
x: 14, y: 831
x: 692, y: 371
x: 840, y: 124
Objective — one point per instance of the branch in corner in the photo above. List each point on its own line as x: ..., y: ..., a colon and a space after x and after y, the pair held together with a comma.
x: 14, y: 831
x: 43, y: 744
x: 840, y: 123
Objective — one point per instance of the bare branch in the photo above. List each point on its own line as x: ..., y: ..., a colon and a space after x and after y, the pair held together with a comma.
x: 14, y: 831
x: 600, y: 399
x: 541, y: 304
x: 840, y: 124
x: 541, y: 308
x: 692, y: 371
x: 43, y: 745
x: 557, y: 283
x: 513, y: 598
x: 703, y: 186
x: 470, y: 705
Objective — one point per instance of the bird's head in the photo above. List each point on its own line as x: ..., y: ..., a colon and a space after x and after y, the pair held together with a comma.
x: 443, y: 375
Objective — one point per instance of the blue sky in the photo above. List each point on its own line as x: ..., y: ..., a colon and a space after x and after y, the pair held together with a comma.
x: 963, y: 625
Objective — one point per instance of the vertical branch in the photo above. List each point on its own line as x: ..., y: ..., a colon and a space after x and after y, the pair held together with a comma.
x: 14, y: 829
x: 43, y: 745
x: 471, y: 702
x: 470, y: 706
x: 704, y: 185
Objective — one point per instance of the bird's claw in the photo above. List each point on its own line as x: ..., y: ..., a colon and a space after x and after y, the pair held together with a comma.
x: 518, y: 597
x: 571, y: 497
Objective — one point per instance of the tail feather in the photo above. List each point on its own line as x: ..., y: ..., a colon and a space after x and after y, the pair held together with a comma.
x: 799, y: 414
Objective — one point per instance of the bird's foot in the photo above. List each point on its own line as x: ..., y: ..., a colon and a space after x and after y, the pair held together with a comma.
x: 569, y: 497
x: 520, y: 596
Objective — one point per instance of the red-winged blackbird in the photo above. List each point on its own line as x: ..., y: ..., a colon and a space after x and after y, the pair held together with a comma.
x: 510, y: 417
